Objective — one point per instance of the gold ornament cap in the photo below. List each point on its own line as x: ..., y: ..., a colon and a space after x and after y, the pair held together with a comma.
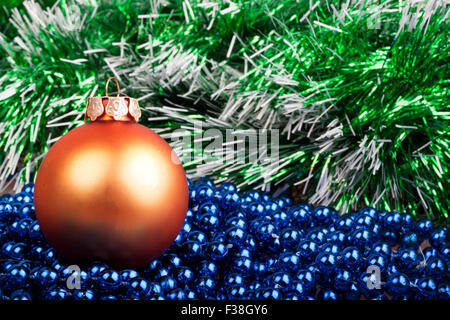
x: 112, y: 108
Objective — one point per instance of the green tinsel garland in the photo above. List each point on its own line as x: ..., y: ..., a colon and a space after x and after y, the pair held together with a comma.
x: 359, y: 89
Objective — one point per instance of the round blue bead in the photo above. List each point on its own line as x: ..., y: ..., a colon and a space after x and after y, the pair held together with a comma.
x: 290, y: 237
x: 185, y: 275
x: 57, y: 293
x: 230, y: 200
x: 308, y: 250
x: 428, y: 288
x: 301, y: 214
x: 328, y: 294
x: 176, y: 294
x: 397, y: 284
x: 83, y: 294
x: 217, y: 250
x: 20, y: 295
x: 139, y: 288
x: 351, y: 259
x: 288, y: 261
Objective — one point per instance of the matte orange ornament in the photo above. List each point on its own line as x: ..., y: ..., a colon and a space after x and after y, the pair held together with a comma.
x: 111, y: 189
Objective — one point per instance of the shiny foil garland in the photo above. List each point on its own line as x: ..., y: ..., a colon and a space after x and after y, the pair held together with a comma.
x: 359, y: 92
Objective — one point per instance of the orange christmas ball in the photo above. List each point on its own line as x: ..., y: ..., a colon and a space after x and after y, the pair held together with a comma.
x: 111, y: 190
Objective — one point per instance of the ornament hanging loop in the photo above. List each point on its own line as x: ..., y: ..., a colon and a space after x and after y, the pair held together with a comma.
x: 117, y: 85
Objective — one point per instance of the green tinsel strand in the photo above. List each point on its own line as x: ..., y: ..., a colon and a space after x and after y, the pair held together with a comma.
x: 358, y: 88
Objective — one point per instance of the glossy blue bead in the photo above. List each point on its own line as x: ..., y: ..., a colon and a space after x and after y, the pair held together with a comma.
x: 444, y: 252
x: 438, y: 238
x: 381, y: 247
x: 152, y: 268
x: 205, y: 286
x: 270, y: 294
x: 337, y: 237
x: 289, y: 261
x: 189, y: 215
x: 250, y: 243
x: 127, y: 275
x: 308, y: 250
x: 331, y: 248
x: 23, y: 197
x: 392, y: 221
x: 436, y: 267
x: 242, y: 264
x: 370, y: 212
x: 109, y: 280
x: 344, y: 223
x: 230, y: 200
x: 281, y: 280
x: 7, y: 197
x: 16, y: 276
x: 300, y: 214
x: 167, y: 283
x: 28, y: 188
x: 364, y: 221
x: 328, y: 294
x: 217, y: 250
x: 176, y: 294
x: 236, y: 236
x: 50, y: 256
x: 45, y: 277
x: 237, y: 222
x: 280, y: 219
x: 57, y: 293
x: 20, y: 228
x: 255, y: 210
x: 192, y: 250
x: 208, y: 222
x: 307, y: 278
x: 96, y: 268
x: 139, y: 288
x: 237, y: 292
x: 290, y: 237
x: 397, y: 284
x: 410, y: 239
x: 243, y: 252
x: 20, y: 295
x: 351, y: 259
x: 204, y: 192
x: 428, y: 288
x: 208, y: 207
x: 259, y: 267
x: 232, y: 279
x: 323, y: 215
x: 228, y: 187
x: 35, y: 233
x: 444, y: 291
x: 407, y: 259
x: 352, y: 293
x: 26, y: 210
x: 389, y: 237
x: 15, y: 250
x: 184, y: 275
x: 83, y: 294
x: 318, y: 235
x: 423, y: 227
x: 171, y: 261
x: 326, y: 262
x: 360, y: 238
x: 207, y: 268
